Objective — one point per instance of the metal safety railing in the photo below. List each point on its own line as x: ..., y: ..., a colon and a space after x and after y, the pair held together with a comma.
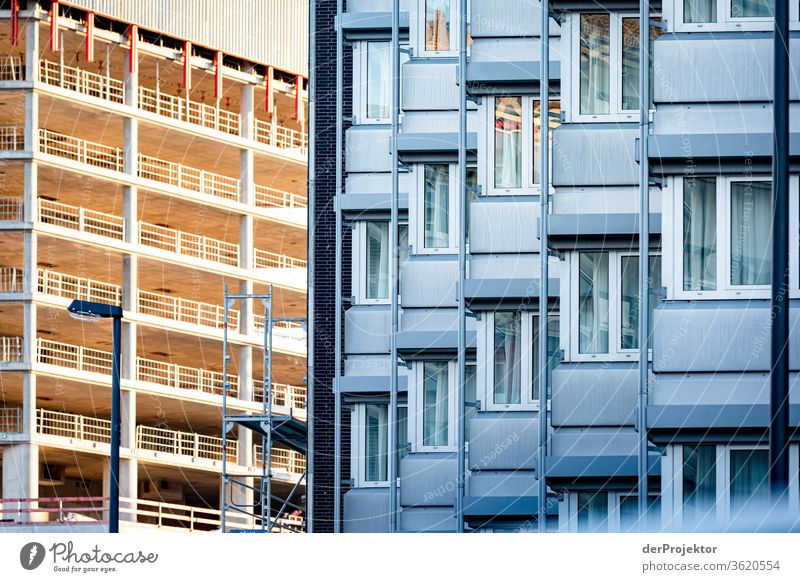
x: 72, y: 287
x: 185, y: 310
x: 12, y: 137
x: 52, y: 510
x: 272, y: 198
x: 11, y: 208
x: 10, y: 349
x: 188, y: 244
x: 81, y: 81
x: 73, y: 357
x: 280, y: 136
x: 81, y: 219
x: 12, y: 68
x: 11, y: 419
x: 10, y: 280
x: 187, y: 444
x: 269, y: 260
x: 176, y: 107
x: 189, y: 178
x: 73, y: 426
x: 282, y: 394
x: 285, y: 459
x: 81, y: 150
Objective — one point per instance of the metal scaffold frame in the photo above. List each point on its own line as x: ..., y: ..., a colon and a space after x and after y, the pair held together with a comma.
x: 287, y: 430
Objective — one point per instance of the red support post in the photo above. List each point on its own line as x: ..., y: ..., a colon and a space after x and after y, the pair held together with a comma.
x: 218, y: 75
x: 187, y: 66
x: 269, y: 102
x: 133, y: 56
x: 14, y: 22
x: 298, y: 98
x: 89, y: 53
x: 55, y: 44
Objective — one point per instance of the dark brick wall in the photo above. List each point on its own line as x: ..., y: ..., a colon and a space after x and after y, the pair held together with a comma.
x: 324, y: 268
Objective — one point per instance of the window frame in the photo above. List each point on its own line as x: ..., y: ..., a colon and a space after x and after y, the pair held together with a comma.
x: 572, y: 306
x: 418, y: 244
x: 455, y: 31
x: 361, y: 259
x: 616, y: 113
x: 416, y: 404
x: 727, y: 23
x: 361, y: 81
x: 358, y: 445
x: 528, y: 185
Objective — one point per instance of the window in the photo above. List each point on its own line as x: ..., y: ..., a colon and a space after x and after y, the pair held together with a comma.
x: 435, y: 404
x: 627, y: 514
x: 726, y: 235
x: 470, y: 396
x: 507, y: 358
x: 472, y: 194
x: 606, y: 291
x: 372, y: 256
x: 701, y: 12
x: 749, y: 481
x: 553, y: 357
x: 370, y: 444
x: 375, y: 70
x: 608, y: 69
x: 432, y: 400
x: 440, y: 24
x: 515, y: 149
x: 699, y: 483
x: 592, y: 512
x: 437, y: 206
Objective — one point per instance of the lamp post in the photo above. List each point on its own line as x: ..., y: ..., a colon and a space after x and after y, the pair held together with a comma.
x: 92, y: 311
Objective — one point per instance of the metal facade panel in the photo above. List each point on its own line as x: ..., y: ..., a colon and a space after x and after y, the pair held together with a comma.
x: 427, y: 519
x: 428, y: 86
x: 595, y: 394
x: 595, y: 155
x: 520, y: 225
x: 429, y: 283
x: 730, y: 388
x: 507, y: 18
x: 368, y: 149
x: 273, y: 32
x: 428, y: 479
x: 377, y: 5
x: 366, y: 330
x: 594, y: 442
x: 503, y: 440
x: 367, y: 510
x: 502, y: 483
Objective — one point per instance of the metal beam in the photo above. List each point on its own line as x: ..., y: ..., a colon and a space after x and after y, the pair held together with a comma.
x: 337, y: 341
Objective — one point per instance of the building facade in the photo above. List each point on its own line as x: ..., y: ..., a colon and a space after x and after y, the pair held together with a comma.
x: 709, y: 264
x: 148, y: 165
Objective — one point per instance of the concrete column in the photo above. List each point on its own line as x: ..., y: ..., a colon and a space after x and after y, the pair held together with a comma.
x: 28, y: 332
x: 32, y: 50
x: 30, y: 194
x: 20, y: 478
x: 128, y: 468
x: 28, y: 404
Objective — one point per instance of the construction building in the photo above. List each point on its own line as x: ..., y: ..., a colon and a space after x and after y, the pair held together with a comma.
x: 151, y: 154
x: 709, y: 186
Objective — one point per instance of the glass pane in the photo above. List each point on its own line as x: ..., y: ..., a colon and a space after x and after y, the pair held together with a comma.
x: 629, y: 514
x: 629, y: 313
x: 377, y: 260
x: 379, y: 77
x: 402, y: 431
x: 751, y: 228
x: 630, y: 62
x: 699, y: 234
x: 437, y: 202
x: 437, y: 25
x: 472, y: 194
x: 593, y: 303
x: 699, y: 483
x: 508, y: 142
x: 555, y: 120
x: 377, y: 441
x: 402, y: 242
x: 553, y: 359
x: 749, y: 481
x: 699, y: 11
x: 471, y: 397
x: 593, y: 512
x: 595, y: 74
x: 434, y: 404
x: 507, y: 358
x: 752, y: 8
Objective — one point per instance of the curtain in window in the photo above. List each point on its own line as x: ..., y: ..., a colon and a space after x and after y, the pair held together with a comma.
x: 377, y: 260
x: 508, y: 142
x: 402, y: 432
x: 593, y: 512
x: 752, y: 8
x: 470, y: 397
x: 749, y: 480
x: 553, y: 347
x: 629, y: 318
x: 472, y: 194
x: 434, y: 405
x: 751, y: 240
x: 377, y: 442
x: 699, y: 11
x: 595, y: 73
x: 630, y: 62
x: 593, y: 303
x: 379, y: 84
x: 507, y: 358
x: 437, y: 197
x: 699, y: 483
x: 699, y: 234
x: 437, y: 25
x: 554, y: 119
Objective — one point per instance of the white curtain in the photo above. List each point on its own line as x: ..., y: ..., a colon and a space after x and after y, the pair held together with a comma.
x: 595, y: 74
x: 753, y: 8
x: 751, y: 243
x: 699, y: 234
x: 437, y: 196
x: 508, y: 142
x: 437, y: 25
x: 435, y: 404
x: 379, y: 85
x: 593, y: 299
x: 593, y: 512
x: 377, y: 443
x: 377, y: 260
x: 699, y: 483
x: 507, y: 358
x: 749, y: 480
x: 699, y: 10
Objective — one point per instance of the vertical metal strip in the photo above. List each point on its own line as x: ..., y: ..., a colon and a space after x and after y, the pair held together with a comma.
x: 393, y: 268
x: 644, y: 249
x: 544, y: 255
x: 270, y: 322
x: 187, y: 67
x: 218, y: 75
x: 89, y: 49
x: 312, y: 237
x: 14, y: 22
x: 55, y: 45
x: 337, y: 427
x: 270, y: 98
x: 133, y: 61
x: 298, y: 98
x: 224, y: 492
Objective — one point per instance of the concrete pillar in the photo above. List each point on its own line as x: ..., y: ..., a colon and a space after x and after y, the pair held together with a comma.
x: 128, y: 468
x: 32, y: 50
x: 29, y: 404
x: 20, y: 478
x: 28, y: 332
x: 30, y: 196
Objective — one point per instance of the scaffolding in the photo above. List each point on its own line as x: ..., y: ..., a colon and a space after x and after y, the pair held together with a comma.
x: 283, y: 429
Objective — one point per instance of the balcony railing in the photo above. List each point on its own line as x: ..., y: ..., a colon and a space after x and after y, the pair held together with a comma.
x: 286, y: 459
x: 73, y: 357
x: 10, y: 349
x: 279, y: 136
x: 269, y: 260
x: 11, y: 419
x: 12, y: 137
x: 11, y: 208
x: 189, y: 178
x: 71, y: 287
x: 85, y: 82
x: 81, y: 219
x: 185, y: 310
x: 73, y: 426
x: 282, y: 394
x: 272, y: 198
x: 188, y: 244
x: 187, y: 444
x: 11, y: 69
x: 196, y: 113
x: 80, y: 150
x: 10, y: 280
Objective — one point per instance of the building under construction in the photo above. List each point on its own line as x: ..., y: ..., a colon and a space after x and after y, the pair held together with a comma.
x: 153, y: 154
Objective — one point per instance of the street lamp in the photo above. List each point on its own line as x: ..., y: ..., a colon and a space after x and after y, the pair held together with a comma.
x: 91, y: 311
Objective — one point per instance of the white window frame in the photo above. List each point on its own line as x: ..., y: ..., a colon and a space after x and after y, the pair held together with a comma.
x: 415, y: 408
x: 727, y: 23
x: 455, y: 34
x: 616, y: 113
x: 416, y: 236
x: 361, y: 80
x: 724, y: 288
x: 571, y: 306
x: 528, y: 186
x: 358, y: 445
x: 360, y: 258
x: 529, y: 321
